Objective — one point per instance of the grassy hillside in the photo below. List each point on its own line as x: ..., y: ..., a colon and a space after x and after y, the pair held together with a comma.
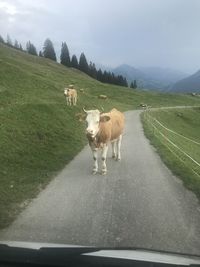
x: 175, y: 134
x: 39, y: 132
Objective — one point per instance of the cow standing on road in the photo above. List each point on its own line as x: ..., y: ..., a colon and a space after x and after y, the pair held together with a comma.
x: 103, y: 128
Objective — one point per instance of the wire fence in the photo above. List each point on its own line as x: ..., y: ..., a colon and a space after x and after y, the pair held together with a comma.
x: 177, y: 151
x: 170, y: 130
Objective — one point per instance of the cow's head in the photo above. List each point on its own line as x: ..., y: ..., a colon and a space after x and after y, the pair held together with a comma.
x: 93, y: 120
x: 66, y: 91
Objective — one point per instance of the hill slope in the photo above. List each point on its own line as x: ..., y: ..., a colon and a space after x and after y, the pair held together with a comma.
x: 189, y: 84
x: 39, y: 132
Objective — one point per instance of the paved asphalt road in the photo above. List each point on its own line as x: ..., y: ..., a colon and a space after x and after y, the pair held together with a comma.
x: 139, y: 203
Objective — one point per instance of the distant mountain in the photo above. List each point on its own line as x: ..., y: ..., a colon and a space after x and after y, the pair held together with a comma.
x: 129, y: 71
x: 165, y: 75
x: 131, y: 74
x: 189, y: 84
x: 150, y: 77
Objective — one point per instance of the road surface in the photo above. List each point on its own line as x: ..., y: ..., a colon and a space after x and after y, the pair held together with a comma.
x: 139, y: 203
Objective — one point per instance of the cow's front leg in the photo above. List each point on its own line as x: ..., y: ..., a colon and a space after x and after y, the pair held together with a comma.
x: 103, y: 157
x: 113, y: 149
x: 95, y: 157
x: 119, y: 141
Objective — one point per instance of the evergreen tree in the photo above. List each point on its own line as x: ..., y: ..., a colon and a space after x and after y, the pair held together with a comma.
x: 125, y: 82
x: 106, y: 77
x: 16, y: 45
x: 112, y: 78
x: 83, y: 65
x: 120, y: 80
x: 20, y: 47
x: 9, y: 41
x: 1, y: 39
x: 64, y: 57
x: 109, y: 77
x: 100, y: 75
x: 40, y: 54
x: 92, y: 70
x: 135, y: 84
x: 30, y: 48
x: 131, y: 85
x: 48, y: 50
x: 74, y: 62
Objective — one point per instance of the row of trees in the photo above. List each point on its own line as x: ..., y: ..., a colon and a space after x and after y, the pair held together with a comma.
x: 81, y: 64
x: 9, y: 42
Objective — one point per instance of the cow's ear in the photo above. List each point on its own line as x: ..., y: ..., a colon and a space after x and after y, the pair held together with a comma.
x: 104, y: 118
x: 80, y: 116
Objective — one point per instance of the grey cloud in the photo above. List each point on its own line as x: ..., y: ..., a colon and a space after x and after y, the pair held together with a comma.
x: 138, y: 32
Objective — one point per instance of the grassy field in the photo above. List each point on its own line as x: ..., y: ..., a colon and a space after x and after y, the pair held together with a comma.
x: 176, y: 135
x: 39, y: 133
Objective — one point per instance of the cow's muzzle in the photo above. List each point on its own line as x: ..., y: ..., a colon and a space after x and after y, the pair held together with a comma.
x: 90, y: 136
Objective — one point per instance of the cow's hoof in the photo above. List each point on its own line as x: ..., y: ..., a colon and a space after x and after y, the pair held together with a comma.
x: 113, y: 156
x: 118, y: 159
x: 103, y: 172
x: 94, y: 172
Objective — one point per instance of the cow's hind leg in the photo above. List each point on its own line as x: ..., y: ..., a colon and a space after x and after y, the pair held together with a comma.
x: 119, y: 141
x: 75, y: 101
x: 70, y: 101
x: 103, y: 157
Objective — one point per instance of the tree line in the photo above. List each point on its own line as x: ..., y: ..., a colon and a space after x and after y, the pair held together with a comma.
x: 81, y: 64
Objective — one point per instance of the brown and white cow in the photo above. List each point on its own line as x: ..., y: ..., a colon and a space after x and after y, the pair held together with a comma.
x: 103, y: 128
x: 71, y: 96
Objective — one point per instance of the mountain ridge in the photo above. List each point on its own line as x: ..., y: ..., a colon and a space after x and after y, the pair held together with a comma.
x: 151, y: 78
x: 189, y: 84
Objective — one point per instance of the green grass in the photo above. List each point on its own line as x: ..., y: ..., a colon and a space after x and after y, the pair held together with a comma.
x: 39, y: 133
x: 184, y: 122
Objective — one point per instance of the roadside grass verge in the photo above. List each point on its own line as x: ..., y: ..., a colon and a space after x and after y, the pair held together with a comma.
x: 39, y: 133
x: 175, y: 135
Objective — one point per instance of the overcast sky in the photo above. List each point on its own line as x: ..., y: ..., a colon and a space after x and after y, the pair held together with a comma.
x: 163, y: 33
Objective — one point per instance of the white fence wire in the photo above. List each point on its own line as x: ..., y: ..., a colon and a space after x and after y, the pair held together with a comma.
x: 195, y: 142
x: 172, y: 143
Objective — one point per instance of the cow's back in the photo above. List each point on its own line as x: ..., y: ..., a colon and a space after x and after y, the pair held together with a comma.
x: 73, y: 93
x: 113, y: 128
x: 117, y: 123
